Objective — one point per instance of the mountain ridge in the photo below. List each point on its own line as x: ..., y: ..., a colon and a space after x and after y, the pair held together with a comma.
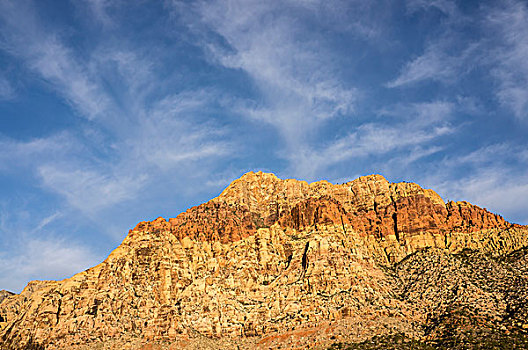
x: 267, y: 256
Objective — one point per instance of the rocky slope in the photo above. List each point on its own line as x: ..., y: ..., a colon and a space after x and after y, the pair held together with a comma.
x: 274, y: 263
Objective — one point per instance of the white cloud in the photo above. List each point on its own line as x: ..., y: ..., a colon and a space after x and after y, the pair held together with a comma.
x: 42, y: 258
x: 167, y: 137
x: 28, y: 251
x: 433, y: 64
x: 422, y: 113
x: 446, y: 6
x: 292, y: 69
x: 46, y: 55
x: 441, y: 59
x: 46, y: 221
x: 99, y: 11
x: 16, y: 154
x: 407, y: 137
x: 133, y: 68
x: 492, y: 176
x: 135, y: 135
x: 90, y: 190
x: 56, y: 65
x: 498, y: 189
x: 500, y: 51
x: 437, y: 64
x: 372, y: 139
x: 7, y: 91
x: 159, y: 140
x: 510, y: 66
x: 301, y: 90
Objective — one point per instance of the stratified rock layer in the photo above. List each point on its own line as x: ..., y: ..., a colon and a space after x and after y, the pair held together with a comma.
x: 278, y: 263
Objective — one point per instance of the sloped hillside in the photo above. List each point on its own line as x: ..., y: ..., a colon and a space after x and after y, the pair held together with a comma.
x: 274, y: 263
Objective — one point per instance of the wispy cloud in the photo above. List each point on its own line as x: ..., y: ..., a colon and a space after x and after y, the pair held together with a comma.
x: 510, y: 66
x: 131, y: 128
x: 29, y: 250
x: 267, y: 45
x: 162, y: 138
x: 489, y: 188
x: 406, y: 134
x: 46, y: 221
x: 434, y: 64
x: 99, y: 10
x: 45, y: 54
x: 25, y: 154
x: 444, y: 58
x: 372, y: 139
x: 7, y: 91
x: 42, y: 259
x: 291, y: 68
x: 441, y: 60
x: 448, y: 7
x: 421, y: 113
x: 90, y: 191
x: 167, y: 136
x: 492, y: 176
x: 499, y: 52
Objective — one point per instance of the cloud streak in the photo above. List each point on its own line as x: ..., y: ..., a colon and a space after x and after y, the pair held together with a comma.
x: 129, y: 130
x: 29, y: 250
x: 434, y: 64
x: 44, y: 53
x: 510, y: 67
x: 499, y: 52
x: 7, y: 91
x: 292, y: 70
x: 412, y: 128
x: 492, y: 176
x: 42, y: 259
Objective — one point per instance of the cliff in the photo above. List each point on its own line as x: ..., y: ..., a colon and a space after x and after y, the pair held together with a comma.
x: 275, y: 263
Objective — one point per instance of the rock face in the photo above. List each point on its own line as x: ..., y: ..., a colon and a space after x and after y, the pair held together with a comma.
x: 4, y: 294
x: 276, y: 263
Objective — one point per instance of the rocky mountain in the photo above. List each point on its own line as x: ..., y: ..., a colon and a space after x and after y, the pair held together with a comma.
x: 283, y: 264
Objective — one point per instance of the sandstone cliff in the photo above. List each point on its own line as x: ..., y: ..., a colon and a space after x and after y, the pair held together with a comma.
x: 274, y: 263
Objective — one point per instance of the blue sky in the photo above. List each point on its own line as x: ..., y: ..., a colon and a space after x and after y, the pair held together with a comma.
x: 113, y: 111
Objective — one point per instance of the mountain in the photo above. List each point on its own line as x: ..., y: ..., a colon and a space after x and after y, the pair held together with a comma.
x: 280, y: 264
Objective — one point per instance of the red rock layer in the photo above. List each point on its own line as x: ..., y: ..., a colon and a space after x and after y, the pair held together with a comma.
x: 208, y: 222
x: 409, y: 215
x: 370, y: 205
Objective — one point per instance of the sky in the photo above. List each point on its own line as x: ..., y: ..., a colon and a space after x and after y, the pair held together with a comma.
x: 114, y: 112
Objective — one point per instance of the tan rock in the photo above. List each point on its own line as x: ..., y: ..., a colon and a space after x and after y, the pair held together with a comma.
x: 267, y: 256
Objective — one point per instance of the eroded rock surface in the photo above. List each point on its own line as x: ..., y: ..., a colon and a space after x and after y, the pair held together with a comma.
x: 276, y: 263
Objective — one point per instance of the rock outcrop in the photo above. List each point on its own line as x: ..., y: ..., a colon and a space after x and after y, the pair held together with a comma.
x: 274, y: 263
x: 4, y: 294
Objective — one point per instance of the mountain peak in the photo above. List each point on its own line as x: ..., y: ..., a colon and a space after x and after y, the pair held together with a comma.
x: 265, y: 256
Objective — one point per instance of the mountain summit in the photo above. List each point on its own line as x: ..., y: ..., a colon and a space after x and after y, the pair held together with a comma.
x: 273, y: 263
